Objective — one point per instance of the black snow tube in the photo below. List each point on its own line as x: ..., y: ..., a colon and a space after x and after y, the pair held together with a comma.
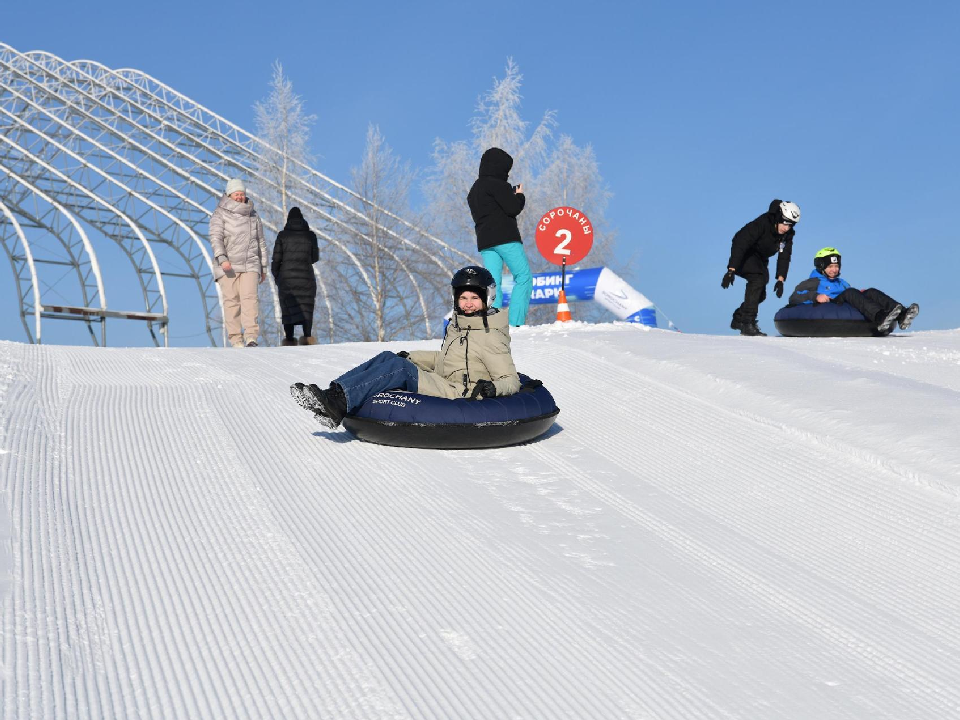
x: 406, y: 419
x: 824, y: 320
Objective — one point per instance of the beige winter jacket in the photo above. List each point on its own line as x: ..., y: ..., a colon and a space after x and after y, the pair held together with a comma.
x: 236, y: 234
x: 470, y: 352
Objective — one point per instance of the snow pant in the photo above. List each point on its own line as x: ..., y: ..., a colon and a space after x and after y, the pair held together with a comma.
x: 873, y: 304
x: 240, y: 306
x: 307, y: 329
x: 513, y: 255
x: 386, y: 371
x: 755, y: 293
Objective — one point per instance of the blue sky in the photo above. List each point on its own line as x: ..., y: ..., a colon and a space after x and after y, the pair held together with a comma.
x: 699, y: 113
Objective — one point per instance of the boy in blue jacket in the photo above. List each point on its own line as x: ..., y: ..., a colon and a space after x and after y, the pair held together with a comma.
x: 826, y: 285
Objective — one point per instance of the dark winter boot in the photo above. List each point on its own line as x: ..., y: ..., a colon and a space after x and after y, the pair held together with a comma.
x: 907, y: 316
x: 737, y: 321
x: 311, y: 398
x: 885, y: 322
x: 334, y: 403
x: 752, y: 329
x: 308, y: 340
x: 288, y: 342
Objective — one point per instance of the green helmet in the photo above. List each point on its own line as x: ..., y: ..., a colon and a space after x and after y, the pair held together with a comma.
x: 826, y: 256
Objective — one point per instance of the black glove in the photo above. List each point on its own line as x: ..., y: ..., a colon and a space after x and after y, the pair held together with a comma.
x: 778, y: 288
x: 403, y: 353
x: 727, y: 280
x: 484, y: 389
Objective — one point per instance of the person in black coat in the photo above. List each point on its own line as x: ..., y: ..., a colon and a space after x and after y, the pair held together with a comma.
x: 753, y: 246
x: 294, y: 254
x: 494, y: 204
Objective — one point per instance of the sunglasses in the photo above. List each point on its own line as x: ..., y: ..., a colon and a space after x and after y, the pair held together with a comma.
x: 788, y: 223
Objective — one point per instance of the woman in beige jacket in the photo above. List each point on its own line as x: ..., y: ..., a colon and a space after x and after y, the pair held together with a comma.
x: 474, y: 361
x: 239, y: 262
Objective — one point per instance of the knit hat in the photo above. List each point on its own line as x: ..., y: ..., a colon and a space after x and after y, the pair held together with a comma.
x: 235, y: 185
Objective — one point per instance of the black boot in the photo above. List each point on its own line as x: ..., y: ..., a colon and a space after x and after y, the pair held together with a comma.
x: 885, y: 321
x: 334, y: 403
x: 309, y: 398
x: 907, y: 316
x: 752, y: 329
x: 737, y: 322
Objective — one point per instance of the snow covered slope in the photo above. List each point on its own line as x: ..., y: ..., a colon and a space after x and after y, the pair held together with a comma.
x: 717, y: 527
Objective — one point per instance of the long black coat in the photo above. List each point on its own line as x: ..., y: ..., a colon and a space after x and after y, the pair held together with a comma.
x: 493, y: 203
x: 757, y: 241
x: 294, y: 254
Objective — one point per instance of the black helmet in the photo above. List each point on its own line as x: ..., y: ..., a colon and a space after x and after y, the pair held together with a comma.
x: 826, y: 256
x: 475, y: 278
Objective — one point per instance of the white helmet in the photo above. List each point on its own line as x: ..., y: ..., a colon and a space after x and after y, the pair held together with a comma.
x: 790, y: 211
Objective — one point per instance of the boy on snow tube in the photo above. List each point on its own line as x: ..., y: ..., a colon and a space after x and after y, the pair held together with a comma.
x: 826, y: 286
x: 473, y: 362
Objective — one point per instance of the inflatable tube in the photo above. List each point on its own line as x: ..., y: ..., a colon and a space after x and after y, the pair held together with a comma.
x: 405, y: 419
x: 824, y: 320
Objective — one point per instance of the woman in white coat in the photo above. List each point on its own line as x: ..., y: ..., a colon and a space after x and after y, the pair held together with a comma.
x: 239, y: 262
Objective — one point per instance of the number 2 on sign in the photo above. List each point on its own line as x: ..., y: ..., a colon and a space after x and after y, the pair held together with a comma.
x: 562, y: 248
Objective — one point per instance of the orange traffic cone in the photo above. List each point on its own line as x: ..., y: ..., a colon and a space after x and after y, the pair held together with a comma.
x: 563, y: 310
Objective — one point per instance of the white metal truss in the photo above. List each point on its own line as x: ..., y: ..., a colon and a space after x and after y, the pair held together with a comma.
x: 207, y: 151
x: 114, y: 223
x: 75, y: 252
x: 162, y: 157
x: 14, y: 242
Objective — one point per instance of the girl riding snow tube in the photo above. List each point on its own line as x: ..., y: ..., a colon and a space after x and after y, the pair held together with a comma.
x: 473, y: 363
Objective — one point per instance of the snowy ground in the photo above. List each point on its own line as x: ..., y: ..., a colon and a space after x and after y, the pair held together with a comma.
x: 717, y: 527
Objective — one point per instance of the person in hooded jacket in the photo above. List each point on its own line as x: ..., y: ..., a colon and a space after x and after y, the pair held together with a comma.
x: 474, y: 361
x: 825, y: 285
x: 752, y: 247
x: 294, y: 254
x: 495, y: 204
x: 239, y: 262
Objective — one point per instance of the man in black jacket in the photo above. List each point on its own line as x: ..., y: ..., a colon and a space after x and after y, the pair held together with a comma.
x: 494, y: 204
x: 753, y: 246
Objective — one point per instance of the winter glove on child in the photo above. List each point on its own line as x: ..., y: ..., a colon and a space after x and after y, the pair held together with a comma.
x: 778, y: 288
x: 484, y: 389
x: 404, y: 354
x: 727, y: 280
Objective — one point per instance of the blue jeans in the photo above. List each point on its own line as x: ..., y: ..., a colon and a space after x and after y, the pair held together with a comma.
x: 513, y: 255
x: 385, y: 371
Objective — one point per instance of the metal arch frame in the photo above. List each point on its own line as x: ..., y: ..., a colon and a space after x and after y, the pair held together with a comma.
x: 75, y: 262
x: 127, y: 191
x: 223, y: 176
x: 200, y: 144
x: 48, y: 141
x: 239, y: 132
x: 98, y: 201
x: 33, y: 287
x: 127, y: 142
x: 62, y: 81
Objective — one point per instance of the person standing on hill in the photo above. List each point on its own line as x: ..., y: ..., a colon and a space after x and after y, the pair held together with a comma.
x: 239, y: 262
x: 753, y: 246
x: 294, y: 254
x: 494, y: 204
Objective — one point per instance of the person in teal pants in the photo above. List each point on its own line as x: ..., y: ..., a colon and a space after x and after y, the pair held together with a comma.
x: 516, y: 260
x: 495, y: 204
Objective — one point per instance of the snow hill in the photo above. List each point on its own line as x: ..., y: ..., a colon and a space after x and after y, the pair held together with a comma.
x: 717, y: 527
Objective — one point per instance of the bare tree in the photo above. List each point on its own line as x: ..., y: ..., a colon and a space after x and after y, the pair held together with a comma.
x: 284, y: 127
x: 406, y: 283
x: 553, y: 173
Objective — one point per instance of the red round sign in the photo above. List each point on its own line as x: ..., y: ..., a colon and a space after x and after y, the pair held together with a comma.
x: 564, y: 233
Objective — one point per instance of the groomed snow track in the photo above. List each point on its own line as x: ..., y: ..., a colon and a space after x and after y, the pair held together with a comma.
x: 716, y: 528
